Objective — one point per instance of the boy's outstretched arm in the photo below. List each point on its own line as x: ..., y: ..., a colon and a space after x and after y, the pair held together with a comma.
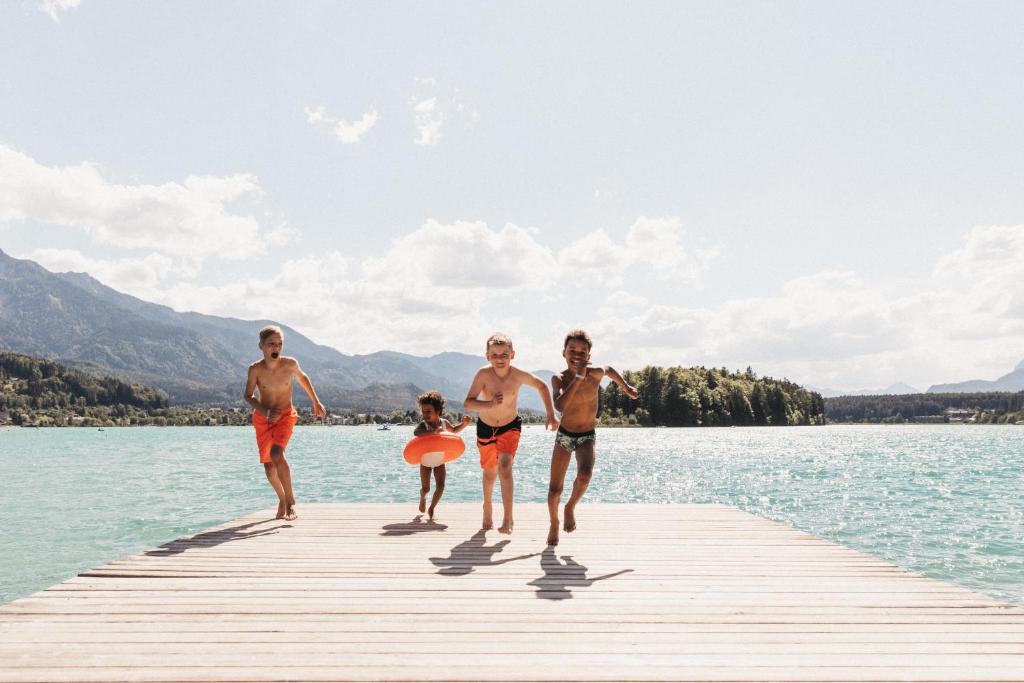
x: 455, y: 429
x: 318, y: 407
x: 545, y: 395
x: 628, y: 389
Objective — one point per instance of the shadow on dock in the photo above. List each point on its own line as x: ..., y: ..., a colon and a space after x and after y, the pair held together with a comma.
x: 472, y: 553
x: 416, y: 526
x: 210, y: 539
x: 559, y: 578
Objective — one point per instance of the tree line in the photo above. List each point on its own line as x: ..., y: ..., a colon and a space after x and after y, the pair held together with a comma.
x: 708, y: 397
x: 897, y: 408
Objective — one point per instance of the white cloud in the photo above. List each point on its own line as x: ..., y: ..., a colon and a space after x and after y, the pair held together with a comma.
x: 53, y: 8
x: 654, y: 244
x: 347, y: 132
x: 467, y: 256
x: 138, y: 276
x: 428, y: 120
x: 188, y: 219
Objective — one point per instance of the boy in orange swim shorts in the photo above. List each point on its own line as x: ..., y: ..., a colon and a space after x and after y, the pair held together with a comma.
x: 268, y: 389
x: 495, y: 394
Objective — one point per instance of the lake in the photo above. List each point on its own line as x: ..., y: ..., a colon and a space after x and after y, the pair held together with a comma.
x: 943, y: 500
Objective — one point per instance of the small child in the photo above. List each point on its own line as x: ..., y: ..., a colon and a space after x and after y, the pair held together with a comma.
x: 432, y: 408
x: 495, y: 394
x: 576, y: 392
x: 273, y: 415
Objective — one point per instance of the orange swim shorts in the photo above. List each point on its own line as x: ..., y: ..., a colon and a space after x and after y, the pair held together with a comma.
x: 494, y: 440
x: 276, y: 433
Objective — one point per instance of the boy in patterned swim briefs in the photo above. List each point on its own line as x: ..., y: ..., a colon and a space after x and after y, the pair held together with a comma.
x: 576, y: 393
x: 495, y: 394
x: 273, y: 415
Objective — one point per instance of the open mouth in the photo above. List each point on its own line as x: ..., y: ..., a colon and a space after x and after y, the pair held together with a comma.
x: 275, y: 354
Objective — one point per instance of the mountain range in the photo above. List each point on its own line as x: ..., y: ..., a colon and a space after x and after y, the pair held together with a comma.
x: 892, y: 389
x: 1011, y: 381
x: 196, y: 358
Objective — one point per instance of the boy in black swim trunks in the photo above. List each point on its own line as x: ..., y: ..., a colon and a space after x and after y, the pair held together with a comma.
x: 495, y: 394
x: 576, y: 393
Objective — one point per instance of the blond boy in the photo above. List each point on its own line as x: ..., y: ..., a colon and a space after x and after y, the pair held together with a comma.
x: 576, y: 391
x: 495, y: 394
x: 268, y: 389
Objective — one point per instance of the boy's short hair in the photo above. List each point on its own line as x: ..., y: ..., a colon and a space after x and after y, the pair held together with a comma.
x: 269, y: 330
x: 499, y: 339
x: 579, y: 335
x: 432, y: 398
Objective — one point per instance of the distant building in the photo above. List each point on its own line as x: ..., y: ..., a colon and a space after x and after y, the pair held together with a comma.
x: 929, y: 419
x: 959, y: 414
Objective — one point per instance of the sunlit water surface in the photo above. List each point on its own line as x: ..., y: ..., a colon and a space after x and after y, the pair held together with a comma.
x: 942, y: 500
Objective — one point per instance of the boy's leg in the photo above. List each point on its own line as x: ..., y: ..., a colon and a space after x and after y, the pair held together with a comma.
x: 439, y: 477
x: 505, y: 474
x: 282, y: 506
x: 424, y: 486
x: 284, y: 473
x: 584, y: 470
x: 490, y: 474
x: 559, y: 464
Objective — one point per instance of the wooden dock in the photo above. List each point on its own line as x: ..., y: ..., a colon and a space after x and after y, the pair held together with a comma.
x: 363, y: 592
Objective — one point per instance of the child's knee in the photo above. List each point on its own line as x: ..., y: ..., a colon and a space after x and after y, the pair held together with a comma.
x: 276, y: 454
x: 424, y: 490
x: 555, y: 489
x: 585, y: 472
x: 504, y: 464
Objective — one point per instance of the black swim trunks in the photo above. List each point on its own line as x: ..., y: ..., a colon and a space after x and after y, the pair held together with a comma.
x: 570, y: 441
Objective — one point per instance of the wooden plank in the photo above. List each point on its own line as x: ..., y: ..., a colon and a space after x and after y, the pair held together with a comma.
x: 639, y: 592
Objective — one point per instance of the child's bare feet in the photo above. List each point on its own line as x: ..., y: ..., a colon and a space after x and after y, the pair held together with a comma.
x: 506, y: 527
x: 282, y: 509
x: 430, y: 514
x: 488, y: 522
x: 290, y: 515
x: 553, y: 533
x: 570, y: 520
x: 423, y: 502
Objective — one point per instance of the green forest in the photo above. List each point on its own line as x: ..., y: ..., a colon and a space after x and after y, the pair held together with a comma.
x: 708, y: 397
x: 990, y: 407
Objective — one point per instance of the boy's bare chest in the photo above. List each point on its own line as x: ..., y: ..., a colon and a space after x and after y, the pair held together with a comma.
x: 274, y: 379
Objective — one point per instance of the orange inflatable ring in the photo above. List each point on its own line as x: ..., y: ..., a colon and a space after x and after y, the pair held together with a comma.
x: 431, y: 450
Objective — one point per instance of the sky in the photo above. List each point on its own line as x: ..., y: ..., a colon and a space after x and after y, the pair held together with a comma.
x: 827, y: 191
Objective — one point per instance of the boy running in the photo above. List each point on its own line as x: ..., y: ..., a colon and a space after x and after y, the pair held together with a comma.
x: 273, y: 415
x: 576, y: 393
x: 495, y: 393
x: 432, y: 408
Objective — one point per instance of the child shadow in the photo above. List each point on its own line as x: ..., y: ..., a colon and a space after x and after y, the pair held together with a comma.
x: 416, y: 526
x: 558, y: 577
x: 211, y: 539
x: 472, y: 553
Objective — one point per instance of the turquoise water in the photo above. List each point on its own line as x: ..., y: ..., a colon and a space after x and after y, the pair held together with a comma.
x: 941, y: 500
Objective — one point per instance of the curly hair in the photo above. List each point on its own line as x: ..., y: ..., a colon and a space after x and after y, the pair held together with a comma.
x: 578, y: 335
x: 432, y: 398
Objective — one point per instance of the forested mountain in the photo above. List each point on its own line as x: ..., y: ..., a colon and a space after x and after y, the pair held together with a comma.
x: 33, y: 383
x: 196, y: 358
x: 698, y: 396
x: 876, y: 409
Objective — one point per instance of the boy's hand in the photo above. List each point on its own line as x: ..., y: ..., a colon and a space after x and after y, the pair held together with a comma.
x: 631, y: 392
x: 552, y: 424
x: 319, y: 410
x: 498, y: 398
x: 466, y: 420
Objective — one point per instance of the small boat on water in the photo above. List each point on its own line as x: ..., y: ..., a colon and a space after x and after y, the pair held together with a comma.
x: 384, y: 428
